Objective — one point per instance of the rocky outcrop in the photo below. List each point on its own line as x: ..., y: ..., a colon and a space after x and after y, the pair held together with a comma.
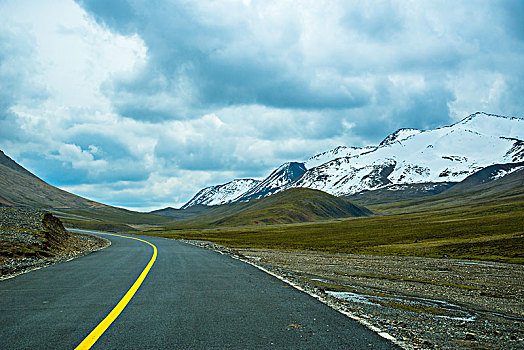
x: 31, y: 238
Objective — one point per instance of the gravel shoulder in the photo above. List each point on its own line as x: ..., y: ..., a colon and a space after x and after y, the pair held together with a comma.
x: 423, y: 303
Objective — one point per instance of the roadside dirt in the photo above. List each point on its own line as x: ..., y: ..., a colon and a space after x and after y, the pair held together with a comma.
x: 423, y: 303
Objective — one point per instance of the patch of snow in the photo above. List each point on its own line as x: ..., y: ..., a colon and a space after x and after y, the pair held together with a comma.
x: 399, y: 136
x: 501, y: 173
x: 338, y: 152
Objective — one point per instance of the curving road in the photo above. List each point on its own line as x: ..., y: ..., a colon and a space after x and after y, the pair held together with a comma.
x: 191, y: 298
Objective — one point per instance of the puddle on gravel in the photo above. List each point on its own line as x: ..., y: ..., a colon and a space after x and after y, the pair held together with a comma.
x: 350, y: 296
x: 437, y: 308
x: 256, y: 258
x: 476, y: 263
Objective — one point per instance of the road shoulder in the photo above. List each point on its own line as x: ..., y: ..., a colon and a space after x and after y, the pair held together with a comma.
x: 421, y: 303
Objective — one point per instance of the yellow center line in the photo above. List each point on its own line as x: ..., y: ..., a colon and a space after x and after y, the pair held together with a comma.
x: 92, y: 338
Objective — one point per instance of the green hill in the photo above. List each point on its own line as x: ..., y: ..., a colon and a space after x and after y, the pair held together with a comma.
x: 182, y: 213
x: 291, y: 206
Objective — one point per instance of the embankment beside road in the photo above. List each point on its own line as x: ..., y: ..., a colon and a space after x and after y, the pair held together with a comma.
x: 31, y: 238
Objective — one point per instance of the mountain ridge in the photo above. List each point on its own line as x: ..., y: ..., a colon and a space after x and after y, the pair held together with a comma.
x: 19, y: 187
x: 222, y: 194
x: 281, y: 177
x: 408, y: 156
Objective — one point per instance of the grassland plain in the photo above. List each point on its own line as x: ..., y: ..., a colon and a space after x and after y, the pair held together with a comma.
x: 460, y: 227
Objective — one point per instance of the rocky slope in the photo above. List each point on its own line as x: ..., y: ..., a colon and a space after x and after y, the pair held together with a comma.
x: 31, y: 238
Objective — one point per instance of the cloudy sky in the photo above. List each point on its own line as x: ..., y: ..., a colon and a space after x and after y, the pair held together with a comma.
x: 140, y: 103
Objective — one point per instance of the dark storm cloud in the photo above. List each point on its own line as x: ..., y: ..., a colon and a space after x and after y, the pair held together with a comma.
x: 53, y: 170
x: 62, y: 172
x: 199, y: 61
x: 381, y: 20
x: 219, y: 62
x: 513, y: 12
x: 427, y: 110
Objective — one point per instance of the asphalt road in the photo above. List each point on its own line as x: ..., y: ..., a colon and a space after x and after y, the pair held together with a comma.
x: 191, y: 298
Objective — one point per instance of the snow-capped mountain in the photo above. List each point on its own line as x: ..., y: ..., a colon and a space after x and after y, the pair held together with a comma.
x: 407, y: 156
x: 222, y: 194
x: 280, y: 178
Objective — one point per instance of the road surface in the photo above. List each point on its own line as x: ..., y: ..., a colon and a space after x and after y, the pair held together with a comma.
x: 191, y: 298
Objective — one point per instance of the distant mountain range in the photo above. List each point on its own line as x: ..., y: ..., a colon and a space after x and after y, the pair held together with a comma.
x: 291, y: 206
x: 21, y: 188
x: 243, y: 190
x: 417, y: 161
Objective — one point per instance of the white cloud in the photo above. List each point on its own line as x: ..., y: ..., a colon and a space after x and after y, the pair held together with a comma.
x: 71, y: 56
x: 80, y: 159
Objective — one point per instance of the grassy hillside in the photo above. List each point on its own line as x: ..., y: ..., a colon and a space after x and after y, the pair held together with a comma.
x: 471, y: 193
x: 20, y: 188
x: 294, y: 205
x: 399, y: 193
x: 489, y: 232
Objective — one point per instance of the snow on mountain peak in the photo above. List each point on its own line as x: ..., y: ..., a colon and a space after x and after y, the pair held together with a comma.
x: 399, y: 135
x: 493, y: 125
x: 222, y: 194
x: 447, y: 154
x: 407, y: 156
x: 338, y: 152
